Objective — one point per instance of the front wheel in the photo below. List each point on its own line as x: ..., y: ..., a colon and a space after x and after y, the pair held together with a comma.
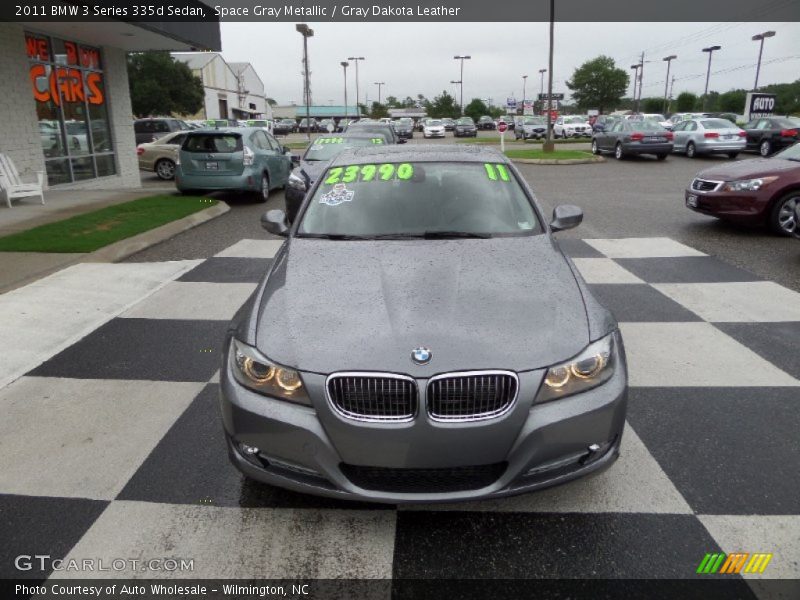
x: 782, y: 216
x: 765, y: 148
x: 618, y: 153
x: 595, y: 148
x: 661, y: 156
x: 264, y: 190
x: 732, y: 155
x: 691, y: 151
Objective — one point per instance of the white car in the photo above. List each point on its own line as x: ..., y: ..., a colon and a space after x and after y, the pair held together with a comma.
x: 566, y: 127
x: 433, y: 128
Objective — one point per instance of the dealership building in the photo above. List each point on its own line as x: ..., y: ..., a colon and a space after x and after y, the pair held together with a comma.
x: 66, y: 109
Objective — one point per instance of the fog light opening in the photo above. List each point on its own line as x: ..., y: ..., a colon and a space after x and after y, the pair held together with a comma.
x: 248, y: 450
x: 594, y: 452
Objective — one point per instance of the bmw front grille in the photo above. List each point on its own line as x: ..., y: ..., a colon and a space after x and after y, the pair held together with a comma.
x: 471, y: 395
x: 373, y: 396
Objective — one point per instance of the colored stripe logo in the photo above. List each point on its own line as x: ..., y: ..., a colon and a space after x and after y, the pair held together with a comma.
x: 734, y: 563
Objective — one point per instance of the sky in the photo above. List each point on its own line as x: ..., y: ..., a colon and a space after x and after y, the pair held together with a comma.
x: 417, y: 58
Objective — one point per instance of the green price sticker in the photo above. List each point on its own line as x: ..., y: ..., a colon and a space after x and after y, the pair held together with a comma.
x: 496, y: 172
x: 336, y: 140
x: 382, y: 172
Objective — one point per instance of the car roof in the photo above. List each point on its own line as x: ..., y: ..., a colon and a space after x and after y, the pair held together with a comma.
x: 419, y: 153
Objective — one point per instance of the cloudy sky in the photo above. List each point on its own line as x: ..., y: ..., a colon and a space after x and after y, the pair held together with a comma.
x: 417, y: 58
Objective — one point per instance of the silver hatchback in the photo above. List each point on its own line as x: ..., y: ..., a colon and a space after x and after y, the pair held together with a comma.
x: 694, y: 137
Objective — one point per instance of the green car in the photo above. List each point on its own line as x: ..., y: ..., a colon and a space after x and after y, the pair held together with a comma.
x: 244, y: 159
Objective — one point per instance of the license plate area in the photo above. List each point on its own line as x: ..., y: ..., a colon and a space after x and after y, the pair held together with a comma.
x: 654, y: 139
x: 212, y: 165
x: 691, y: 201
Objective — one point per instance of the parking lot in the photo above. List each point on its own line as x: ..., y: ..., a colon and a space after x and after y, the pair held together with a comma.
x: 710, y: 317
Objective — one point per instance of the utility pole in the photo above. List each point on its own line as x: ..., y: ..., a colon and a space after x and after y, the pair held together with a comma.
x: 306, y: 32
x: 379, y: 84
x: 548, y: 145
x: 635, y: 69
x: 357, y: 59
x: 524, y: 83
x: 671, y: 86
x: 641, y: 76
x: 710, y: 51
x: 668, y: 60
x: 461, y: 79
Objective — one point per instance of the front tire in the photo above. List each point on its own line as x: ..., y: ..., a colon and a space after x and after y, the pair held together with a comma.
x: 691, y: 150
x: 732, y: 155
x: 165, y: 169
x: 765, y: 148
x: 618, y: 153
x: 781, y: 217
x: 264, y: 190
x: 661, y: 156
x: 595, y: 148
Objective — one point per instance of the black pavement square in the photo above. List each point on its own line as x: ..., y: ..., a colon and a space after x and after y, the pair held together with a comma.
x: 685, y: 269
x: 31, y: 525
x: 638, y: 302
x: 190, y: 466
x: 727, y: 450
x: 477, y: 545
x: 779, y: 343
x: 229, y: 270
x: 575, y: 248
x: 151, y: 349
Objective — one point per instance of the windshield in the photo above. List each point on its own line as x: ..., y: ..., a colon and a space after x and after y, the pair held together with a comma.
x: 574, y: 120
x: 534, y: 121
x: 790, y: 153
x: 433, y: 123
x: 326, y: 148
x: 213, y: 142
x: 646, y: 126
x: 465, y: 121
x: 257, y: 124
x: 419, y: 199
x: 717, y: 124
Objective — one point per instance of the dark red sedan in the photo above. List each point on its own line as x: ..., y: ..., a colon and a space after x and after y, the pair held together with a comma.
x: 761, y: 191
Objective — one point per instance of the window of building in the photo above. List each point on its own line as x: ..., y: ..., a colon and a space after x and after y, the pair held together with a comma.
x: 69, y: 89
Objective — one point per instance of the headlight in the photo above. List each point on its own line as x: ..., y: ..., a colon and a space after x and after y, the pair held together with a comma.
x: 257, y: 373
x: 296, y: 182
x: 748, y: 185
x: 593, y: 366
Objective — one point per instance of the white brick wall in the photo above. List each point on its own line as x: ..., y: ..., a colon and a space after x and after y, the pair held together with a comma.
x: 19, y: 128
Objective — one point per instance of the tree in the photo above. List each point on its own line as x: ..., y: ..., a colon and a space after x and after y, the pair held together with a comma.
x: 409, y: 102
x: 685, y: 102
x: 378, y: 111
x: 444, y: 105
x: 160, y: 85
x: 476, y: 109
x: 362, y: 109
x: 598, y: 83
x: 732, y: 101
x: 652, y: 105
x: 272, y: 102
x: 392, y: 102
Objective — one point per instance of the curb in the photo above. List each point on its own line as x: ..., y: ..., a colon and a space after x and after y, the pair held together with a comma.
x: 559, y: 161
x: 125, y: 248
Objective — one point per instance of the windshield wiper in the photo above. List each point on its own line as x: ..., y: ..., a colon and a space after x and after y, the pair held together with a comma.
x: 433, y: 235
x: 334, y: 236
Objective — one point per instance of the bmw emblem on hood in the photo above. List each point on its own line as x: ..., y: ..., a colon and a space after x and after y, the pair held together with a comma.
x: 421, y: 355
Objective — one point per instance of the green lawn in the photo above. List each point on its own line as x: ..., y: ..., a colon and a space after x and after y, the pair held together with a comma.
x: 90, y: 231
x: 557, y: 154
x: 510, y: 140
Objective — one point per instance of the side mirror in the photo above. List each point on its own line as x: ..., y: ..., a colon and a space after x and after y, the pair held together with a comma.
x: 295, y: 159
x: 565, y: 216
x: 275, y: 222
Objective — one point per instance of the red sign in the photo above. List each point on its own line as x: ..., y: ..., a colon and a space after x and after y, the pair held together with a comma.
x: 67, y: 81
x: 502, y: 127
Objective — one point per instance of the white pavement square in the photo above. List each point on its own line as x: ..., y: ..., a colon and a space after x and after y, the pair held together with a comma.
x: 650, y: 247
x: 744, y: 302
x: 242, y: 543
x: 775, y: 534
x: 41, y: 319
x: 604, y: 270
x: 252, y: 249
x: 694, y: 355
x: 634, y: 484
x: 193, y: 300
x: 75, y: 438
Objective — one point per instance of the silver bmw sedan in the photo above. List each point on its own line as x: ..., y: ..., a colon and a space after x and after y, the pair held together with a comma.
x: 420, y: 337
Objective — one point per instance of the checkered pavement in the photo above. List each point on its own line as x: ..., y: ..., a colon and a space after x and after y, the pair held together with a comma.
x: 112, y: 446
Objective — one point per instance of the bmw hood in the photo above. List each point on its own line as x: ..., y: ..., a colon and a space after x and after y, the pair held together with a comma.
x: 744, y: 169
x: 504, y: 303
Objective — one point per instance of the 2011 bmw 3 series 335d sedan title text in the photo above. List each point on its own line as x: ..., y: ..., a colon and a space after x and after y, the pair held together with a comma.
x: 420, y: 337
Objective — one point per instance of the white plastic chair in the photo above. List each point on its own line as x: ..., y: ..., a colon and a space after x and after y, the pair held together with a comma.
x: 12, y: 186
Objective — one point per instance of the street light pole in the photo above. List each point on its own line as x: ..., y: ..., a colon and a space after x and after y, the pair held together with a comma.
x: 356, y: 60
x: 668, y: 59
x: 306, y: 32
x: 461, y: 79
x: 524, y: 83
x: 345, y: 64
x: 548, y: 145
x: 760, y: 37
x: 379, y: 84
x: 710, y: 51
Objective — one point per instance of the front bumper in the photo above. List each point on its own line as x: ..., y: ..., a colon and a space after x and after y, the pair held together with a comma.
x: 744, y: 207
x: 296, y: 448
x: 433, y: 134
x: 465, y: 133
